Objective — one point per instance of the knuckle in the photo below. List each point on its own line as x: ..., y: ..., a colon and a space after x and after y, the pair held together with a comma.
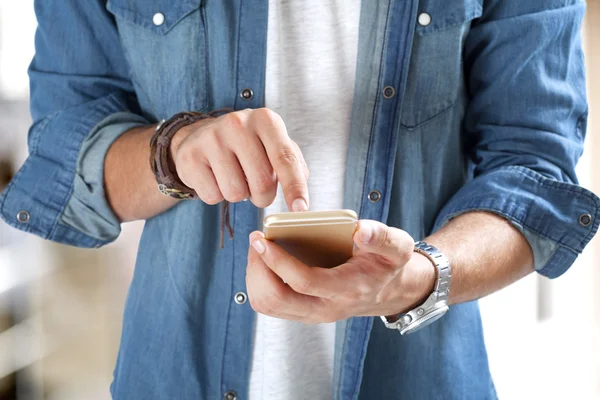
x: 301, y: 285
x: 265, y: 182
x: 234, y: 120
x: 236, y: 194
x: 407, y: 252
x: 236, y: 189
x: 263, y: 202
x: 210, y: 140
x: 270, y: 302
x: 211, y: 198
x: 384, y: 238
x: 404, y: 245
x: 287, y: 156
x: 188, y: 155
x: 267, y: 116
x: 207, y: 193
x: 397, y: 241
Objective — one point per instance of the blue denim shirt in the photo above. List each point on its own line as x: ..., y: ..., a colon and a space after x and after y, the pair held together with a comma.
x: 488, y: 112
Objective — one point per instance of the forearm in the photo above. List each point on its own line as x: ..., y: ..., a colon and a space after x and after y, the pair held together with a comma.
x: 486, y: 253
x: 130, y: 185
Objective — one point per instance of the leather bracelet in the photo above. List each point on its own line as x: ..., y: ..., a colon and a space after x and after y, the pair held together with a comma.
x: 164, y: 169
x: 161, y: 162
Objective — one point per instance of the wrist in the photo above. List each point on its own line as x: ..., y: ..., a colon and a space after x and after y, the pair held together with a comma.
x: 413, y: 285
x: 423, y: 282
x: 162, y: 160
x: 427, y: 309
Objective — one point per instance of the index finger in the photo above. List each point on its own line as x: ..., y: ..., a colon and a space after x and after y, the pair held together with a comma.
x: 284, y: 157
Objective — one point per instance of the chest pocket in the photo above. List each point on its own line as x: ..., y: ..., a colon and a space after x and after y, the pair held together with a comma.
x: 165, y: 44
x: 435, y: 72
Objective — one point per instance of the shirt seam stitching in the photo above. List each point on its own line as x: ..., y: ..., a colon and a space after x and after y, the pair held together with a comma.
x: 42, y: 125
x: 362, y: 356
x: 551, y: 266
x: 375, y: 107
x: 529, y: 14
x: 371, y: 134
x: 544, y: 181
x: 430, y: 119
x: 463, y: 210
x: 344, y: 346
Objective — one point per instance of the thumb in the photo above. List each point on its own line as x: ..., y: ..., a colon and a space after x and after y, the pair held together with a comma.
x: 377, y: 238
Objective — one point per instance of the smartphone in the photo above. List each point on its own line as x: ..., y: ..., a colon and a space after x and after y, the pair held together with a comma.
x: 317, y: 238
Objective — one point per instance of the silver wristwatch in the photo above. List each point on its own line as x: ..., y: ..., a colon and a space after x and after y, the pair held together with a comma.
x: 436, y: 304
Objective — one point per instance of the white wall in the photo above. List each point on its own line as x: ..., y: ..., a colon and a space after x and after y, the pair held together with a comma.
x: 17, y: 28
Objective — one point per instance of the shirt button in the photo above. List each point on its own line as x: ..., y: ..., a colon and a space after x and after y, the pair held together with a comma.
x: 388, y: 92
x: 23, y: 216
x: 240, y: 297
x: 374, y: 196
x: 158, y: 19
x: 247, y: 94
x: 585, y: 219
x: 424, y: 19
x: 230, y: 395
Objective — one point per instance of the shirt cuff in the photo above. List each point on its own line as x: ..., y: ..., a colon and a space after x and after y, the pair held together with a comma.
x: 558, y: 219
x: 87, y: 209
x: 37, y: 196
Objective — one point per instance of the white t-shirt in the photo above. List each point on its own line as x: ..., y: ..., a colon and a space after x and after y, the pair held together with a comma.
x: 311, y: 64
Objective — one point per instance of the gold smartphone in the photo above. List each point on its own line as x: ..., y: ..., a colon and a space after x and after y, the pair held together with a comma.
x: 317, y: 238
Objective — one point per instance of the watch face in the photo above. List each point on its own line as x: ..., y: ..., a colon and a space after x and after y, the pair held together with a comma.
x: 426, y: 320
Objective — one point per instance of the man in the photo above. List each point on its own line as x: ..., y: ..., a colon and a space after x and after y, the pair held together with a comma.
x: 456, y: 123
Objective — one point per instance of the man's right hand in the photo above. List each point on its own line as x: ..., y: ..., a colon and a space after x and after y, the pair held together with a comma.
x: 241, y: 155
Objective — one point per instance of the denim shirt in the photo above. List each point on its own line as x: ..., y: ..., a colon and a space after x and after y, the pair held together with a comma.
x: 481, y: 106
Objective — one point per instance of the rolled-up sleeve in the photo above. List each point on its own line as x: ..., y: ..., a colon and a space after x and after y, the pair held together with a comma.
x: 525, y: 125
x: 81, y: 100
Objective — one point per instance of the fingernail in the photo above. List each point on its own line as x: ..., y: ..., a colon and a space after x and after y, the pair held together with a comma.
x: 299, y: 205
x: 255, y: 236
x: 258, y: 246
x: 365, y: 232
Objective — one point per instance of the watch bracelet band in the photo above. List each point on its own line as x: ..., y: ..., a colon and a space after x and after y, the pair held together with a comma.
x: 161, y: 162
x: 442, y: 266
x: 437, y: 300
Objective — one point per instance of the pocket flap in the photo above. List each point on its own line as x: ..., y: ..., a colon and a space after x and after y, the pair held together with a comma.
x: 445, y: 14
x: 145, y: 13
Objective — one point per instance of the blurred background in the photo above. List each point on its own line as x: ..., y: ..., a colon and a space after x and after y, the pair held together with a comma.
x: 61, y: 307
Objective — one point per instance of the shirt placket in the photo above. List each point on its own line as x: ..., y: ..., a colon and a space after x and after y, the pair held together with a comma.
x: 250, y: 78
x: 384, y: 140
x: 379, y: 168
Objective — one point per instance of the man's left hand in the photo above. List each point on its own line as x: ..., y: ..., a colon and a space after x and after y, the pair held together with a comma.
x: 384, y: 277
